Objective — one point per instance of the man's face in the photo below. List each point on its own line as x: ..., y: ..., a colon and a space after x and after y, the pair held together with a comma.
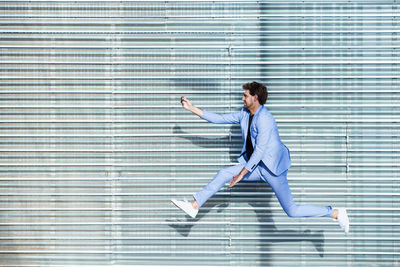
x: 248, y: 99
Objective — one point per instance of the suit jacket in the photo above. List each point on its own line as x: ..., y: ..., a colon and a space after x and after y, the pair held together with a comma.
x: 267, y: 144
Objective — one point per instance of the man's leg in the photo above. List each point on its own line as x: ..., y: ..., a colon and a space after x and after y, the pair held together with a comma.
x: 280, y: 186
x: 219, y: 180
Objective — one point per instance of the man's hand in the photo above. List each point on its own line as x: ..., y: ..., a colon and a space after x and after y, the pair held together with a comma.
x: 235, y: 180
x: 186, y: 103
x: 238, y: 177
x: 188, y: 106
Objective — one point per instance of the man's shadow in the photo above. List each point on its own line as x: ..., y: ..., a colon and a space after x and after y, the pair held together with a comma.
x: 268, y: 233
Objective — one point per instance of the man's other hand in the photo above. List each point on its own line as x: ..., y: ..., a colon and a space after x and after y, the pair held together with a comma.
x: 235, y: 180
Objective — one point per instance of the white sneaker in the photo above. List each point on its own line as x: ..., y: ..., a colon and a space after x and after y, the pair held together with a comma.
x: 343, y: 219
x: 186, y: 206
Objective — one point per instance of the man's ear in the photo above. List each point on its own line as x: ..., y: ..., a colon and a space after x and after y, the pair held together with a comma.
x: 256, y: 97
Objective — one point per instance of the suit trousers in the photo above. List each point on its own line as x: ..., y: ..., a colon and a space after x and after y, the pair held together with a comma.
x: 279, y: 185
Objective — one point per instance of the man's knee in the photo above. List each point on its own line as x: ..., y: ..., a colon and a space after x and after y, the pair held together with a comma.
x: 229, y: 171
x: 291, y: 211
x: 224, y: 174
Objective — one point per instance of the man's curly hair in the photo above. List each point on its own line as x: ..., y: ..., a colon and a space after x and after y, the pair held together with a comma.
x: 258, y: 89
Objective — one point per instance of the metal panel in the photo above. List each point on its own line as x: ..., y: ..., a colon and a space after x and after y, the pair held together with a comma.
x: 94, y: 142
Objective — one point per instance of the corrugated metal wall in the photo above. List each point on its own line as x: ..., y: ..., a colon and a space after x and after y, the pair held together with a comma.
x: 94, y: 142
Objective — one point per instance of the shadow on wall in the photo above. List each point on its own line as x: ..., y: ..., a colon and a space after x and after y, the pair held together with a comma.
x: 267, y: 232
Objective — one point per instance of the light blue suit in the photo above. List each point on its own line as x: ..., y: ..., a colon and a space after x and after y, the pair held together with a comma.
x: 264, y: 137
x: 270, y: 161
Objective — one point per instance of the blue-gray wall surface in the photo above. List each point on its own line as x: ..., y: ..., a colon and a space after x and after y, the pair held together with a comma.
x: 94, y: 142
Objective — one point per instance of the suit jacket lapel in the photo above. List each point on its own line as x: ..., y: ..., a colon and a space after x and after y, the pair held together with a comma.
x: 253, y: 122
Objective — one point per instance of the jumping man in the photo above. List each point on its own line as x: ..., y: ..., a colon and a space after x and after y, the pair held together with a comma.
x: 263, y: 157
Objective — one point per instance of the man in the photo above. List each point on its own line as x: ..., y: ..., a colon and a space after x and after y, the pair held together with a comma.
x: 263, y: 156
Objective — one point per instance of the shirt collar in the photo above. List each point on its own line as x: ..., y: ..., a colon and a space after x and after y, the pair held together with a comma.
x: 257, y: 111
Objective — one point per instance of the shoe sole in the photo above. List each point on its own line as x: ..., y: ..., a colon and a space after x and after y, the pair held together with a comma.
x: 348, y: 220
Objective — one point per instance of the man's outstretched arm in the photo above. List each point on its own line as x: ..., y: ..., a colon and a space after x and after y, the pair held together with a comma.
x: 228, y: 118
x: 188, y: 106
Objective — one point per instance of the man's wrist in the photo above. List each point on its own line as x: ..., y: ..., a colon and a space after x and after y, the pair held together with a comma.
x: 191, y: 109
x: 196, y: 111
x: 243, y: 172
